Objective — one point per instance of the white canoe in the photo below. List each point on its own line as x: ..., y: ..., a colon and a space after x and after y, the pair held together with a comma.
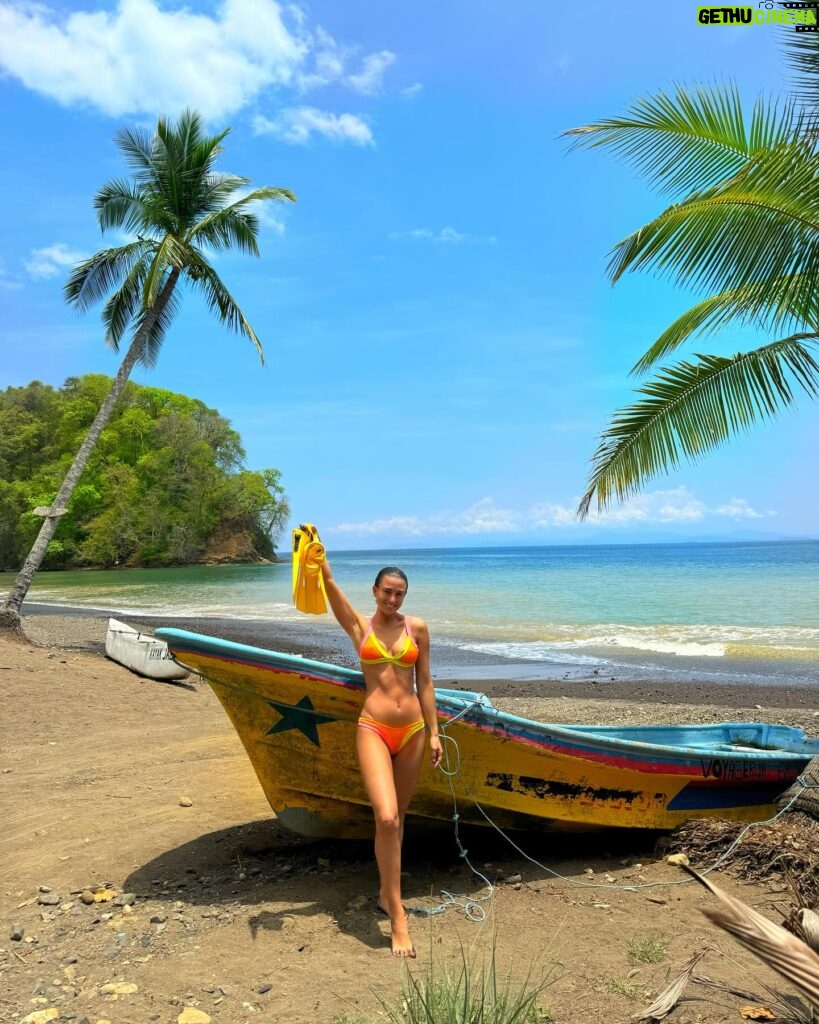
x: 141, y: 652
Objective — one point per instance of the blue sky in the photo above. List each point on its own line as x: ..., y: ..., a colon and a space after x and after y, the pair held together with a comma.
x: 443, y: 346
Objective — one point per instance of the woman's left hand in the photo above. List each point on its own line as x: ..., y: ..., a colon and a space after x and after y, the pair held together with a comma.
x: 436, y: 751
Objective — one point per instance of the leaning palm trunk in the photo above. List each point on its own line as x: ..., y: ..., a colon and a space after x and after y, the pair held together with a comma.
x: 804, y: 792
x: 177, y: 207
x: 10, y: 614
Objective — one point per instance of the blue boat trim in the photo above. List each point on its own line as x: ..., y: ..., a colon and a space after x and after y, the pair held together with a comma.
x: 696, y: 797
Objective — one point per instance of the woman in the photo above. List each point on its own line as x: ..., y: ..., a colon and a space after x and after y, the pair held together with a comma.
x: 400, y: 704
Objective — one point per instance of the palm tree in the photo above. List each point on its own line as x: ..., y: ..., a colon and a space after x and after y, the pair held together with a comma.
x: 744, y: 228
x: 178, y: 208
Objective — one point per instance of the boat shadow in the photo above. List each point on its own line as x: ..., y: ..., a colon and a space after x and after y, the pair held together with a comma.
x: 281, y: 882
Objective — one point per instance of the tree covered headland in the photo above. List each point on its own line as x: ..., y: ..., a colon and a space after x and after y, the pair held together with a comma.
x: 165, y: 485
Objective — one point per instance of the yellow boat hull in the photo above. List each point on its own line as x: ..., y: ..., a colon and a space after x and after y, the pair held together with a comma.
x: 297, y: 721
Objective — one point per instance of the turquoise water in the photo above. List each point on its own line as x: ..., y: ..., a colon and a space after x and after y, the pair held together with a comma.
x: 718, y: 611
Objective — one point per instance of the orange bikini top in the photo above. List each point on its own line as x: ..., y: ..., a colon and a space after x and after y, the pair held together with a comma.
x: 373, y: 652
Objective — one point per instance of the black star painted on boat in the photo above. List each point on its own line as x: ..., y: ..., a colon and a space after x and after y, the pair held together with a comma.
x: 299, y: 716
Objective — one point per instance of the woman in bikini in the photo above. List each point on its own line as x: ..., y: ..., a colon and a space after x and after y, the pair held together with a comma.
x: 400, y: 703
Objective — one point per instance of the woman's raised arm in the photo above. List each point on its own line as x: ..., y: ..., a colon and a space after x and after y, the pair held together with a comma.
x: 351, y: 621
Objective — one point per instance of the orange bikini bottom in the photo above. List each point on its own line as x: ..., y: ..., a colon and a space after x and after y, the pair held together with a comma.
x: 395, y: 737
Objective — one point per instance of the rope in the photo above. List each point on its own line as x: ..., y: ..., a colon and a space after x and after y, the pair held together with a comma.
x: 472, y: 907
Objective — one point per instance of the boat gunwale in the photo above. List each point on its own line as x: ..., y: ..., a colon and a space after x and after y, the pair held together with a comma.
x: 464, y: 708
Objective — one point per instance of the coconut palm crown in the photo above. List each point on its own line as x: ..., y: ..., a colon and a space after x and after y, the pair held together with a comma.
x: 743, y: 230
x: 177, y: 210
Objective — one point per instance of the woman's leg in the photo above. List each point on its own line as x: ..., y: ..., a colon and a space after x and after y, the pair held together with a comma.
x: 381, y: 784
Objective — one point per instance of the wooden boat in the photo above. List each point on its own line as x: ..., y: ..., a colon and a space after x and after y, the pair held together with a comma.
x: 141, y: 652
x: 297, y: 721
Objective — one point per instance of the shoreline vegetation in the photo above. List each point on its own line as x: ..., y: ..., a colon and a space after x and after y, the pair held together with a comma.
x: 167, y: 485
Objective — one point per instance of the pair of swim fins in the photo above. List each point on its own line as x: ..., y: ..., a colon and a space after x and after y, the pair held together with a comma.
x: 308, y: 583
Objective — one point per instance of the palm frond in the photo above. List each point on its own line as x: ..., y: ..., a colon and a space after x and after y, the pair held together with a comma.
x: 121, y: 204
x: 221, y: 303
x: 785, y: 953
x: 787, y: 303
x: 158, y: 324
x: 220, y: 189
x: 689, y: 140
x: 124, y: 305
x: 760, y: 226
x: 802, y: 57
x: 690, y: 408
x: 91, y: 281
x: 136, y: 145
x: 170, y: 253
x: 236, y: 224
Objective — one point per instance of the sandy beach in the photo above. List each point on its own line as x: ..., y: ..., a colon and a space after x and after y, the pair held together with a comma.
x: 140, y: 793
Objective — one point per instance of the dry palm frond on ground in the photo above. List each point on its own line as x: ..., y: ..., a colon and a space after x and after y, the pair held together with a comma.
x: 785, y: 953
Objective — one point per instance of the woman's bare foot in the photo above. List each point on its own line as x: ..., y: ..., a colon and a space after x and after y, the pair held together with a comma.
x: 401, y: 942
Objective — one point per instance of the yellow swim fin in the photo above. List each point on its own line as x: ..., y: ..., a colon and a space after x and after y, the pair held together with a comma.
x: 308, y: 583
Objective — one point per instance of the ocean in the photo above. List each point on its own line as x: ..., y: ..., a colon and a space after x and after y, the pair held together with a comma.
x: 745, y: 612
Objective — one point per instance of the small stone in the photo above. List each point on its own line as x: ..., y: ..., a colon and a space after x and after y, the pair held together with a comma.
x: 119, y: 988
x: 41, y: 1016
x: 17, y: 932
x: 185, y: 801
x: 262, y: 989
x: 48, y: 899
x: 158, y: 919
x: 678, y: 858
x: 125, y: 899
x: 190, y: 1015
x: 512, y: 879
x: 45, y: 888
x: 87, y: 897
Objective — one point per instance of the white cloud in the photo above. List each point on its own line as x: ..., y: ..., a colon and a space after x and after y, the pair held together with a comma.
x: 299, y: 124
x: 143, y: 58
x: 412, y: 91
x: 371, y: 77
x: 676, y: 506
x: 52, y: 260
x: 738, y: 508
x: 445, y: 236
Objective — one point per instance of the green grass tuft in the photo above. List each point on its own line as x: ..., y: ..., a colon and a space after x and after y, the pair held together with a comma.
x: 472, y: 994
x: 648, y: 949
x: 624, y: 987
